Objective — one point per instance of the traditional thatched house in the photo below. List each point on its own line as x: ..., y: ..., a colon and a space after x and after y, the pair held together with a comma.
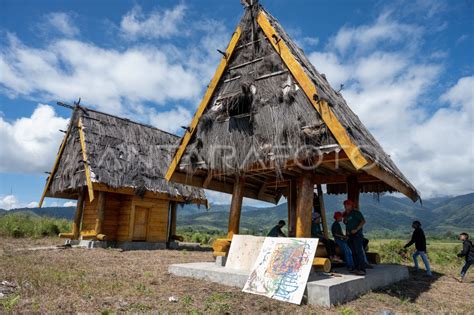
x: 115, y: 169
x: 270, y: 125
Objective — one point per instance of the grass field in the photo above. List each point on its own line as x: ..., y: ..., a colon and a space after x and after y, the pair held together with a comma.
x: 111, y: 281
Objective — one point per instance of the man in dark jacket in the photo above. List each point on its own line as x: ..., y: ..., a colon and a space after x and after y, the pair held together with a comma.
x: 467, y: 252
x: 276, y: 230
x: 418, y: 238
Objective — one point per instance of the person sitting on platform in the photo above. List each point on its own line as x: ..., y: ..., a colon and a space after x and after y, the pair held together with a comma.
x: 341, y: 240
x: 276, y: 230
x: 355, y: 222
x: 418, y: 238
x: 316, y: 232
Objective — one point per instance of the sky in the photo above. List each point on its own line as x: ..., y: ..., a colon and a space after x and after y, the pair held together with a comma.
x: 407, y: 69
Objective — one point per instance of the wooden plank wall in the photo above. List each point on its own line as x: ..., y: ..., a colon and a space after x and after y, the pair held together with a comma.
x: 119, y: 217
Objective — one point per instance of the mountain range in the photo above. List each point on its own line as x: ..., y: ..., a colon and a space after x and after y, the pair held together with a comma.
x: 386, y: 215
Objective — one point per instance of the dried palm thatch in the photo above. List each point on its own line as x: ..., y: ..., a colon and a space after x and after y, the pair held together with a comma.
x: 120, y: 153
x: 258, y: 113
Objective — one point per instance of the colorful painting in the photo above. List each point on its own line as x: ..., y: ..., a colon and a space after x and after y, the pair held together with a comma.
x: 282, y: 268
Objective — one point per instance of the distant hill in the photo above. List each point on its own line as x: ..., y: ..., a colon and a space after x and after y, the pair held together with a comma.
x: 387, y: 215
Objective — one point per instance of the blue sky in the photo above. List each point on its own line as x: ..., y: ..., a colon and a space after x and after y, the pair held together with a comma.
x: 406, y: 66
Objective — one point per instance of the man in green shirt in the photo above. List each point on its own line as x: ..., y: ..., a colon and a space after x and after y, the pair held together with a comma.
x: 354, y: 225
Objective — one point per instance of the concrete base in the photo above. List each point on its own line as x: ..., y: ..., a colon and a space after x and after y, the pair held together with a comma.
x: 322, y: 289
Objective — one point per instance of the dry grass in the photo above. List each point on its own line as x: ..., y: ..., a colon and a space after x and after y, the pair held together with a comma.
x: 111, y: 281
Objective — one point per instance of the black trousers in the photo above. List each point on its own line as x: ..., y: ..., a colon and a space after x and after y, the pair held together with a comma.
x: 466, y: 267
x: 356, y: 244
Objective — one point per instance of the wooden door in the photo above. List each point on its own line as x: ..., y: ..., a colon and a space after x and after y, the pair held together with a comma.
x: 140, y: 224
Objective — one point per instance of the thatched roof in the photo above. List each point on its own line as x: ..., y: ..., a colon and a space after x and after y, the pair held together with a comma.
x: 120, y: 154
x: 260, y: 114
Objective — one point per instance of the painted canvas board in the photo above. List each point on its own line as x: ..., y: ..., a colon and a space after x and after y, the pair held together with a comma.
x: 244, y: 251
x: 282, y: 268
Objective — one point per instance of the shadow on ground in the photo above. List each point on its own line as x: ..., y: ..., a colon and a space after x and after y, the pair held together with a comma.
x: 411, y: 288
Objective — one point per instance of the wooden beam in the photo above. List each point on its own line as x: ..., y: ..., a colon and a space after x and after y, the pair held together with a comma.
x: 202, y: 106
x: 99, y: 221
x: 76, y: 224
x: 392, y: 180
x: 340, y: 179
x: 55, y: 165
x: 86, y: 163
x: 304, y: 205
x: 236, y: 206
x: 148, y: 194
x: 353, y: 190
x: 323, y: 211
x: 208, y: 179
x: 306, y: 84
x: 173, y: 217
x: 292, y: 209
x: 221, y: 186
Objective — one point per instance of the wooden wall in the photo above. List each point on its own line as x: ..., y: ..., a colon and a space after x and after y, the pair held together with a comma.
x: 120, y: 216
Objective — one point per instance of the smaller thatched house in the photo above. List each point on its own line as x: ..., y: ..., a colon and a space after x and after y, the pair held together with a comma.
x: 115, y: 169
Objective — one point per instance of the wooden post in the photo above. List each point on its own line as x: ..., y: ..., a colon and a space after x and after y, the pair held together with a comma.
x: 304, y: 205
x: 292, y: 209
x: 236, y: 206
x: 173, y: 205
x: 353, y: 190
x: 323, y: 211
x: 100, y: 213
x: 76, y: 224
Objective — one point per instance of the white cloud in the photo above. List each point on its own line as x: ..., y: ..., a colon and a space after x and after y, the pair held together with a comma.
x: 172, y: 120
x: 8, y: 202
x: 30, y: 144
x: 70, y: 204
x: 109, y: 78
x: 33, y: 204
x: 59, y: 22
x: 136, y: 24
x: 387, y: 85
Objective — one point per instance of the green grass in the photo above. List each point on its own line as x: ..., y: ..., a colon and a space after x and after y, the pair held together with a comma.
x: 30, y: 225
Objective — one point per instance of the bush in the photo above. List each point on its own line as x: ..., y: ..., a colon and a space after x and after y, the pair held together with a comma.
x: 30, y: 225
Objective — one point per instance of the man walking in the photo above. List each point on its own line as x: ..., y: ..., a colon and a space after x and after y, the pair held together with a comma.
x: 418, y: 238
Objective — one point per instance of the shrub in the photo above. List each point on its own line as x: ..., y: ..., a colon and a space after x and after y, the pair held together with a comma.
x: 30, y: 225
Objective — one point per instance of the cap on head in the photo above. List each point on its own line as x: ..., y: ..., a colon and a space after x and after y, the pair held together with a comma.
x: 417, y: 223
x: 281, y: 222
x: 348, y: 202
x: 337, y: 215
x: 316, y: 216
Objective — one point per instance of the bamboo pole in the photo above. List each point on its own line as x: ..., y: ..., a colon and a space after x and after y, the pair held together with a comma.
x: 304, y: 204
x: 100, y: 213
x: 323, y: 211
x: 76, y: 224
x: 236, y: 206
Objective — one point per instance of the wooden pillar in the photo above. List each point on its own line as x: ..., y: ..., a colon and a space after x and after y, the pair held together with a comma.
x: 174, y: 206
x: 353, y: 190
x: 100, y: 213
x: 76, y: 224
x: 304, y: 205
x: 323, y: 211
x: 236, y: 206
x: 291, y: 200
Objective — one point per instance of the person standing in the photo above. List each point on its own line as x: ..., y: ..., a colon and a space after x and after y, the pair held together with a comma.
x: 354, y: 225
x: 418, y: 238
x: 341, y: 240
x: 467, y: 252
